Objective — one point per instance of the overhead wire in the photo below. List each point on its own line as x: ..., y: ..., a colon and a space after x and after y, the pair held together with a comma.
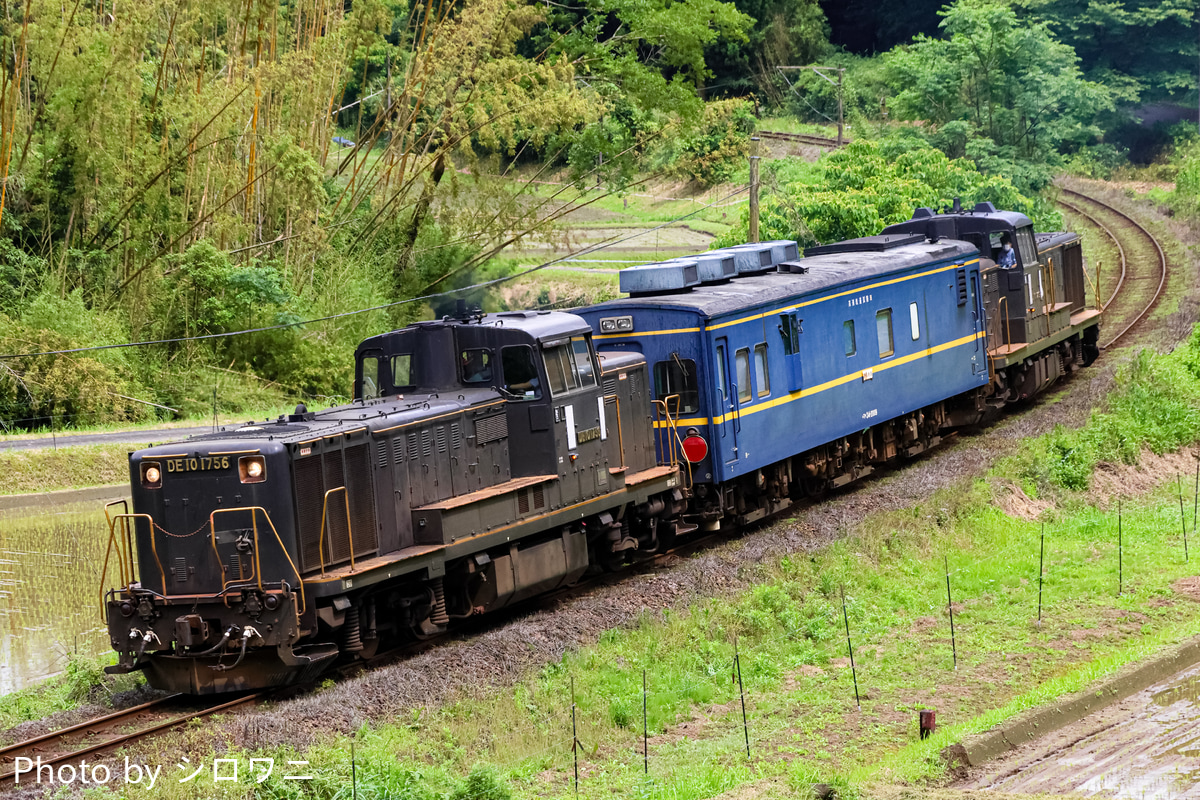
x: 610, y: 242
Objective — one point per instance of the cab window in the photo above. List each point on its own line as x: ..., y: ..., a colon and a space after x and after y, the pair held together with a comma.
x: 560, y: 369
x: 369, y: 384
x: 402, y: 377
x: 583, y: 361
x: 476, y: 365
x: 1026, y: 246
x: 677, y: 376
x: 520, y: 372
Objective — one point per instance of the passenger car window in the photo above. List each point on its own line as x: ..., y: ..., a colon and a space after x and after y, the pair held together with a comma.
x: 741, y: 361
x: 721, y: 371
x: 560, y: 368
x: 913, y: 322
x: 678, y: 376
x: 520, y: 373
x: 883, y: 330
x: 761, y: 375
x: 476, y: 365
x: 402, y: 371
x: 848, y: 342
x: 369, y: 385
x: 583, y: 361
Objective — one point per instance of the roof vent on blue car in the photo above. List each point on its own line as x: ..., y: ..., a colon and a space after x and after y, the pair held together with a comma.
x: 669, y: 276
x: 761, y: 256
x: 867, y: 244
x: 711, y: 267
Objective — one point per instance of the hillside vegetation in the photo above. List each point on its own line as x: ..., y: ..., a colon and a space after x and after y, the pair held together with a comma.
x: 175, y: 172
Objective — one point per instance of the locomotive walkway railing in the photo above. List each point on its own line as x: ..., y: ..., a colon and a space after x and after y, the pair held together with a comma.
x: 120, y: 539
x: 349, y: 530
x: 669, y: 443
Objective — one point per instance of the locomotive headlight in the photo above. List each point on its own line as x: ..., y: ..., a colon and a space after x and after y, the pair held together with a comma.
x: 252, y: 469
x: 151, y: 475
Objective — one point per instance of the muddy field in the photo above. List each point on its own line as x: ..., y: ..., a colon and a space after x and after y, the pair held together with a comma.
x: 1147, y: 746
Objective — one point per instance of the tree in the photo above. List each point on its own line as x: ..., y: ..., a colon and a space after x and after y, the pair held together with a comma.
x: 1142, y: 50
x: 1010, y: 81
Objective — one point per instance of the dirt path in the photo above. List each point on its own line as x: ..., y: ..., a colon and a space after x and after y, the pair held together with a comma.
x: 1147, y: 746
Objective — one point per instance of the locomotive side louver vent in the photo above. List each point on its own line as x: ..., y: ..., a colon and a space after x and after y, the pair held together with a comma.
x: 235, y: 568
x: 441, y: 438
x: 180, y: 570
x: 492, y: 428
x: 539, y: 496
x: 960, y: 279
x: 310, y: 495
x: 398, y: 449
x: 426, y: 444
x: 314, y: 477
x: 610, y: 386
x: 360, y: 485
x: 635, y: 384
x: 383, y: 454
x: 523, y: 501
x: 412, y: 447
x: 455, y: 435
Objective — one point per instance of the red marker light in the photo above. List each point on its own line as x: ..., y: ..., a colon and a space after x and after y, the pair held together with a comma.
x: 695, y: 449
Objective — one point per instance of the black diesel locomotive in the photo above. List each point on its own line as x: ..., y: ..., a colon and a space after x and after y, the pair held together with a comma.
x: 487, y: 459
x: 484, y: 460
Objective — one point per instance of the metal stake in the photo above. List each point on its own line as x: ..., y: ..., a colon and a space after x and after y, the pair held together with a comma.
x: 645, y: 729
x: 737, y: 664
x: 1182, y: 519
x: 950, y: 608
x: 574, y: 736
x: 353, y: 773
x: 850, y: 648
x: 1041, y: 571
x: 1120, y: 553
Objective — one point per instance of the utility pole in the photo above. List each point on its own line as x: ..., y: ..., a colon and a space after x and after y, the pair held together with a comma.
x: 821, y: 71
x: 753, y: 188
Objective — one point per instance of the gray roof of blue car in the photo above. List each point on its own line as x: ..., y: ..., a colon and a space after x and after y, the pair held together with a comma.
x: 824, y: 271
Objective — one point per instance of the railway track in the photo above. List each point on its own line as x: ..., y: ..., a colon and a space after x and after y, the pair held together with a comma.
x: 78, y: 742
x: 801, y: 138
x: 1143, y: 266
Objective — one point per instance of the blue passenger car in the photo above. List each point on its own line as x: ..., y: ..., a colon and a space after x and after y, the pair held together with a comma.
x: 767, y: 367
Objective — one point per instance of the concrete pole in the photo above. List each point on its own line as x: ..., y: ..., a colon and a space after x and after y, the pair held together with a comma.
x: 754, y: 189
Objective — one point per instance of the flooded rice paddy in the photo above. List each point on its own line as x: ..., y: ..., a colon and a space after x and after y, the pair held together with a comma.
x: 50, y: 568
x: 1147, y: 747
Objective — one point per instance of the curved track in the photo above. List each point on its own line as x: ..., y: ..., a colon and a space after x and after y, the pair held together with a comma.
x: 1143, y: 263
x: 801, y: 138
x: 111, y: 730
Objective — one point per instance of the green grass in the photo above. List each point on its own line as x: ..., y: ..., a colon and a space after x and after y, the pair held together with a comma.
x: 83, y: 680
x: 47, y: 470
x: 789, y: 630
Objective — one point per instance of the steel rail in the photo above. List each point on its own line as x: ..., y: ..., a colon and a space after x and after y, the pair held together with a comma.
x: 1162, y: 259
x: 122, y: 738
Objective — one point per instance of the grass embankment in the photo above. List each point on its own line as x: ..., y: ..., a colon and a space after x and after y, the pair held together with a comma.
x: 804, y: 726
x: 81, y: 682
x: 48, y: 470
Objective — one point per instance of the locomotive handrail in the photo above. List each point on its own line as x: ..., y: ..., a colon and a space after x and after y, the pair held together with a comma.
x: 672, y: 431
x: 126, y: 574
x: 349, y: 528
x: 127, y: 568
x: 257, y: 560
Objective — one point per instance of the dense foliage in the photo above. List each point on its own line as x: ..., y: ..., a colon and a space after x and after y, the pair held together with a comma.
x: 858, y: 190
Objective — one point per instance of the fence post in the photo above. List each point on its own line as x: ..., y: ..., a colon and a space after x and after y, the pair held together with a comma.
x: 1182, y: 518
x: 574, y: 737
x: 737, y: 665
x: 645, y: 729
x: 1120, y: 553
x: 1041, y: 571
x: 950, y: 608
x: 850, y: 648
